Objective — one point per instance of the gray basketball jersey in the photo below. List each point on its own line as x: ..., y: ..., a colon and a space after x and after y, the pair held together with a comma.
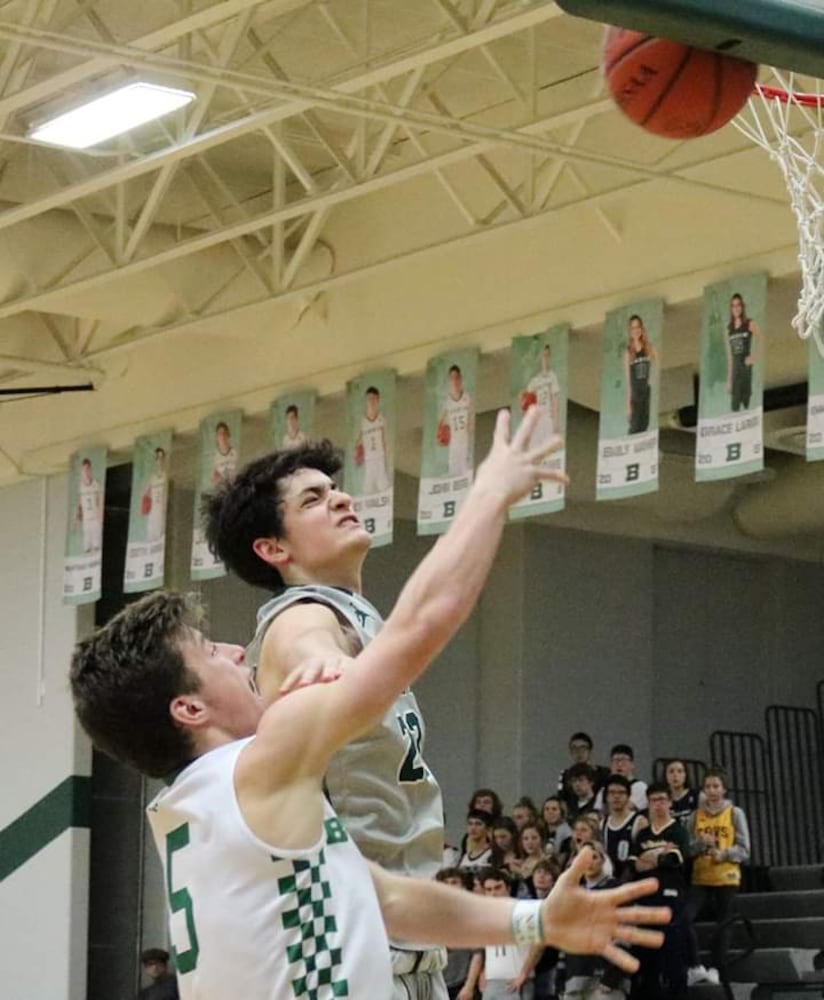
x: 379, y: 784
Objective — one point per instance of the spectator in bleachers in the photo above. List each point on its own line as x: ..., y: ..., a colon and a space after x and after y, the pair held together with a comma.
x: 585, y: 830
x: 720, y: 844
x: 591, y: 977
x: 558, y: 831
x: 163, y: 985
x: 458, y: 959
x: 505, y: 836
x: 620, y: 825
x: 684, y: 799
x: 507, y: 969
x: 544, y: 875
x: 582, y: 783
x: 622, y: 761
x: 661, y: 849
x: 524, y: 811
x: 580, y: 752
x: 488, y: 801
x: 478, y: 851
x: 532, y: 850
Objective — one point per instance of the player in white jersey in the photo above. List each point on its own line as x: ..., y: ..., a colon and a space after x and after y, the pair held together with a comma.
x: 293, y: 437
x: 155, y: 496
x: 544, y: 390
x: 371, y: 445
x: 224, y: 462
x: 458, y: 415
x: 265, y: 902
x: 90, y: 508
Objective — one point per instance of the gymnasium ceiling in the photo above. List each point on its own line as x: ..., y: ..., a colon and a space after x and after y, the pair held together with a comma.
x: 358, y: 182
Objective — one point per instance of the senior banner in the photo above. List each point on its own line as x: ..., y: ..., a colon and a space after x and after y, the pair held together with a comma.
x: 448, y: 454
x: 815, y: 405
x: 219, y: 461
x: 540, y: 378
x: 146, y: 546
x: 630, y: 386
x: 370, y: 446
x: 733, y: 350
x: 291, y: 419
x: 84, y: 529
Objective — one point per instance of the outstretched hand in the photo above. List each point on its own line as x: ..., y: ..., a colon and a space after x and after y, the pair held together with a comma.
x: 584, y: 922
x: 316, y: 670
x: 513, y: 467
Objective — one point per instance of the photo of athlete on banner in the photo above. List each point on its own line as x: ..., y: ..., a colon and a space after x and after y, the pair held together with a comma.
x: 219, y: 461
x: 84, y: 528
x: 630, y: 383
x: 146, y: 546
x: 291, y: 419
x: 447, y: 461
x: 539, y: 378
x: 370, y: 446
x: 733, y: 349
x: 815, y: 404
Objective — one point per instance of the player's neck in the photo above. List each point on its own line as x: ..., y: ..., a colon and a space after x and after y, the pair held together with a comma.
x: 345, y: 577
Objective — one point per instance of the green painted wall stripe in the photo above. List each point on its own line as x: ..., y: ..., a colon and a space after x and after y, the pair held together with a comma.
x: 68, y: 805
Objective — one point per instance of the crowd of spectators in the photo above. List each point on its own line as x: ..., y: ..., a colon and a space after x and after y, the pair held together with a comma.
x: 693, y: 841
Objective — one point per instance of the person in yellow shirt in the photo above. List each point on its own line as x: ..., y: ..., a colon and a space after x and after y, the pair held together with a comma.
x: 719, y: 844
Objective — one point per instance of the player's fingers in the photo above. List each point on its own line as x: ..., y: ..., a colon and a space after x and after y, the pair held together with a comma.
x: 632, y: 890
x: 307, y: 673
x: 578, y: 867
x: 526, y: 428
x: 502, y: 425
x: 553, y: 476
x: 617, y: 956
x: 644, y: 914
x: 639, y: 936
x: 555, y: 443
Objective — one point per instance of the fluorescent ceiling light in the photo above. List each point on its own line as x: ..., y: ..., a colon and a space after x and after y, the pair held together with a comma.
x: 111, y: 115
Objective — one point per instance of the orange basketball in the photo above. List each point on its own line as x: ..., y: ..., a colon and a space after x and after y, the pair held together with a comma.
x: 528, y: 399
x: 443, y: 434
x: 360, y: 453
x: 671, y: 89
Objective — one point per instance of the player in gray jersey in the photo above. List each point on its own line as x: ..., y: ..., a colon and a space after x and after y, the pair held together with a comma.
x: 267, y: 898
x: 379, y: 783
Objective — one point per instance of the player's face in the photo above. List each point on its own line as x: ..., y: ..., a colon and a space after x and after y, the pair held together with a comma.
x: 714, y: 790
x: 531, y: 841
x: 736, y: 307
x: 635, y: 330
x: 546, y: 359
x: 617, y: 798
x: 579, y: 751
x: 456, y: 384
x: 659, y: 807
x: 86, y: 473
x: 372, y: 405
x: 552, y: 813
x: 292, y: 422
x: 226, y: 684
x: 496, y: 887
x: 622, y: 764
x: 676, y: 774
x: 320, y: 528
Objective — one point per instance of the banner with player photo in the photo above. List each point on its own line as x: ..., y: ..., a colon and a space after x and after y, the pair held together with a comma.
x: 540, y: 378
x: 729, y: 439
x: 448, y: 453
x: 370, y: 446
x: 146, y: 546
x: 84, y: 528
x: 630, y: 390
x: 218, y: 462
x: 291, y: 419
x: 815, y: 405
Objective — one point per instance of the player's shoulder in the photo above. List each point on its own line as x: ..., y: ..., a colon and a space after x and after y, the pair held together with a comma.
x: 302, y: 615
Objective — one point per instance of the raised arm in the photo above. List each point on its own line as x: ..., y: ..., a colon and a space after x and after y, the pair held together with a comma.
x: 431, y: 608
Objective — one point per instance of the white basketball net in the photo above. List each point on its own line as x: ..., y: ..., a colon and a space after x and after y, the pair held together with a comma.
x: 789, y: 125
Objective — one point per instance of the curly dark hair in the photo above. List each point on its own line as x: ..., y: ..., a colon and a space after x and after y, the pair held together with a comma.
x: 248, y: 507
x: 124, y: 677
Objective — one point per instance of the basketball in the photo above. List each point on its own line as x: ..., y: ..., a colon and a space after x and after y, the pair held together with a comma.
x: 444, y: 434
x: 360, y: 453
x: 528, y: 399
x: 674, y: 90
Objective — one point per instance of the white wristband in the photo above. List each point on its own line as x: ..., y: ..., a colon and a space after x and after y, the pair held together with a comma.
x: 527, y: 922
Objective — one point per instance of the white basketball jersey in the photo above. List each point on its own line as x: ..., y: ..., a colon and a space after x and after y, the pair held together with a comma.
x: 291, y: 442
x: 224, y: 464
x: 372, y: 432
x: 379, y: 784
x: 256, y: 922
x: 458, y: 416
x: 89, y: 498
